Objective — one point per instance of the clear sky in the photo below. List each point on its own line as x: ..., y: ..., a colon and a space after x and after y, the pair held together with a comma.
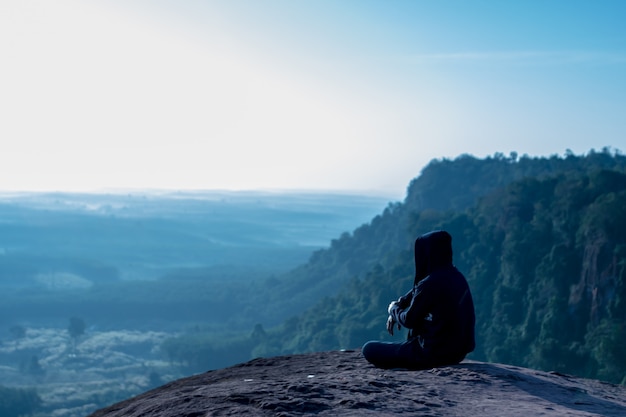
x: 319, y: 94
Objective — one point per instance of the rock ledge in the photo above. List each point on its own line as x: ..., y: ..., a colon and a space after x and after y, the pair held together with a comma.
x: 343, y: 383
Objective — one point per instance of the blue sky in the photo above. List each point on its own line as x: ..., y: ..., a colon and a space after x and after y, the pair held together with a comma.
x: 324, y: 95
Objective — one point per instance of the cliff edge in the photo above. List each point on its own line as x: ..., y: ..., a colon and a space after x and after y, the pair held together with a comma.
x: 343, y: 383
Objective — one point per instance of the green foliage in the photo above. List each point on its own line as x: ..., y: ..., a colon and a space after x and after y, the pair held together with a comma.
x: 76, y: 327
x: 16, y: 402
x: 32, y: 367
x: 542, y: 245
x: 606, y: 344
x: 18, y: 332
x: 542, y: 242
x: 200, y: 351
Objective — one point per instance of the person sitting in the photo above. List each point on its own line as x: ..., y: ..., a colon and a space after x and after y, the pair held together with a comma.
x: 438, y: 311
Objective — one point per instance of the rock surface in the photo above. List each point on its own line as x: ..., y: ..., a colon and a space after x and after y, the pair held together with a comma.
x: 343, y: 383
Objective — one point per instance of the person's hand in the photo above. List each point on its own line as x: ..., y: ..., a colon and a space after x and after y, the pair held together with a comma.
x: 391, y: 323
x: 403, y: 303
x: 391, y: 306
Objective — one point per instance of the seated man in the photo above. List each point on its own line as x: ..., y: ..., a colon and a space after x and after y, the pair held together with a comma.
x: 438, y: 311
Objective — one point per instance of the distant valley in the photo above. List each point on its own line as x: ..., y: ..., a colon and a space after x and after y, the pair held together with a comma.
x: 60, y: 240
x: 135, y: 270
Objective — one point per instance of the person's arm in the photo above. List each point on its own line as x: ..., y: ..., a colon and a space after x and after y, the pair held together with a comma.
x: 405, y: 300
x: 411, y: 316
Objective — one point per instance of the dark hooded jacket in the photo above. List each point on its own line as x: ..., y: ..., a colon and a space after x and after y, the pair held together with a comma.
x: 439, y: 310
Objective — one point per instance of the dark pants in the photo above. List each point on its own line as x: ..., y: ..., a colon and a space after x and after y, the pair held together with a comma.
x: 408, y: 354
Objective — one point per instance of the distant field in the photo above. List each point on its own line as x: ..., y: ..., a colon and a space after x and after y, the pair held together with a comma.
x: 144, y: 236
x: 140, y: 269
x: 103, y: 367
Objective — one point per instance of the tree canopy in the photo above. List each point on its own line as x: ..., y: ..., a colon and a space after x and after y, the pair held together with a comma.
x: 542, y: 242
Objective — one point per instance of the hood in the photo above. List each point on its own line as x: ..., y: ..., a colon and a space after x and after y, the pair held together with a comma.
x: 433, y: 250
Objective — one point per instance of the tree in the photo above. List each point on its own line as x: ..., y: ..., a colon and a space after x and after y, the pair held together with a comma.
x: 15, y: 402
x: 76, y: 329
x: 18, y: 332
x: 33, y: 367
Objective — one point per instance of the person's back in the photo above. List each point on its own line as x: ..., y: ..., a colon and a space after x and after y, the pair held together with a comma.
x: 438, y: 311
x: 448, y: 330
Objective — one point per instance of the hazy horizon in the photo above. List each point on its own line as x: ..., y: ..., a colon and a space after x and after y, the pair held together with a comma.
x: 190, y: 192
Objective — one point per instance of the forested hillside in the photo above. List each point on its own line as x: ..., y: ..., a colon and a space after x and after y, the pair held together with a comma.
x: 542, y: 242
x: 444, y: 188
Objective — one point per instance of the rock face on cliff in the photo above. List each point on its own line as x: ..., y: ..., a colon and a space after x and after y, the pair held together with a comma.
x: 343, y: 383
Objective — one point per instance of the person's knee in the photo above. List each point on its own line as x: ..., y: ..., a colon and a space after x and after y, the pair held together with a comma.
x: 368, y: 350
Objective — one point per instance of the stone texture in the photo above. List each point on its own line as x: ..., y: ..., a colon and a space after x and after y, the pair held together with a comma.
x: 344, y: 384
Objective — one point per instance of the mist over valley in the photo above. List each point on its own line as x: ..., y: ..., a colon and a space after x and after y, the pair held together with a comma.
x: 102, y: 300
x: 136, y: 269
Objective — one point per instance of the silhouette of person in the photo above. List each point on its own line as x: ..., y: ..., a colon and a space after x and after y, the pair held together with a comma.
x: 438, y: 311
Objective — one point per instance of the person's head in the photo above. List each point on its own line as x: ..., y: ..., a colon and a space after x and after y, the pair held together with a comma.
x: 433, y: 250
